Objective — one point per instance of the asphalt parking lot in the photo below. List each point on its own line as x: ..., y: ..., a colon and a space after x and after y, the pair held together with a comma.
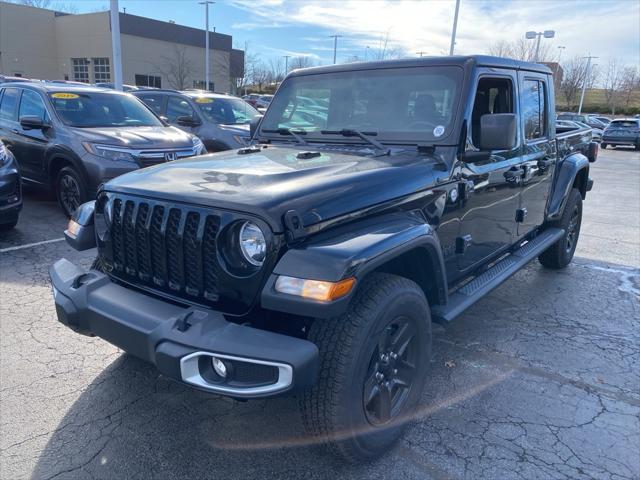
x: 539, y: 380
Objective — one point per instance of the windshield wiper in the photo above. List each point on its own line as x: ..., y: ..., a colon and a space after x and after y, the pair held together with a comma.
x: 348, y: 132
x: 288, y: 131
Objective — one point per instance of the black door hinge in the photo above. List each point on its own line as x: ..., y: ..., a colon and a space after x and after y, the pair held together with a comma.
x: 521, y: 214
x: 462, y: 243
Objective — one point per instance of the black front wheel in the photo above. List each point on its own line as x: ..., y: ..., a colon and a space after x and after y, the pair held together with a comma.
x: 70, y: 190
x: 374, y: 365
x: 604, y: 146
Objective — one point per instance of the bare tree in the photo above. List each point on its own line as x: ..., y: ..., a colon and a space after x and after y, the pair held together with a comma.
x: 276, y: 70
x: 300, y: 62
x: 177, y: 68
x: 630, y: 84
x: 522, y: 49
x: 260, y: 75
x: 613, y: 81
x: 573, y: 78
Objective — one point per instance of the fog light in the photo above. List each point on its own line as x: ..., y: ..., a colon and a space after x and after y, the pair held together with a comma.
x: 219, y: 367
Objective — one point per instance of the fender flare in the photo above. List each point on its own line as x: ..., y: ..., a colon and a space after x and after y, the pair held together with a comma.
x: 353, y: 250
x: 59, y: 151
x: 569, y: 169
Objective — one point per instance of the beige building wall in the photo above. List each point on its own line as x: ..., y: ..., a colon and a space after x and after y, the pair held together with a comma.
x: 27, y: 41
x: 147, y: 56
x: 82, y: 36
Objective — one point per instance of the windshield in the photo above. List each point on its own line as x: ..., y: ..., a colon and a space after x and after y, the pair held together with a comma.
x: 96, y: 109
x: 416, y: 103
x: 227, y: 111
x: 623, y: 124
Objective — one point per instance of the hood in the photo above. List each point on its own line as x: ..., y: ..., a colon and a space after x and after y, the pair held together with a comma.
x: 274, y: 180
x: 136, y: 137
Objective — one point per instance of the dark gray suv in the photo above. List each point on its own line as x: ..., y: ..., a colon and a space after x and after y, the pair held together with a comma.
x: 73, y: 138
x: 220, y: 121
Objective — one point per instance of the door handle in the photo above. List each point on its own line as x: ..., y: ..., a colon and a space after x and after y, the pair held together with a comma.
x: 514, y: 175
x: 544, y: 164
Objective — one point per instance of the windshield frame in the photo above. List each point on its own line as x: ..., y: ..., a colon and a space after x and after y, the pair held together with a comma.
x: 80, y: 93
x: 385, y: 137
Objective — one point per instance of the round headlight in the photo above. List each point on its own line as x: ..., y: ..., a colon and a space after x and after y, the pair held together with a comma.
x: 253, y: 244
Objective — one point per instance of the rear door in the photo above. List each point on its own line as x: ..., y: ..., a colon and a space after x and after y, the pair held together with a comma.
x: 9, y: 99
x: 539, y: 154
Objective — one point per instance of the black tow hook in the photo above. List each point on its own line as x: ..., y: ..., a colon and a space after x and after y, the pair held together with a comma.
x: 81, y: 279
x: 182, y: 324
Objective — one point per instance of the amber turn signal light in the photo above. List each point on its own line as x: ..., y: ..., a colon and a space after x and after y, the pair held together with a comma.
x: 314, y: 289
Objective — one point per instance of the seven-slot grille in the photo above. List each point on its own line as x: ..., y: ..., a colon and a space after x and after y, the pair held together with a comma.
x: 166, y: 247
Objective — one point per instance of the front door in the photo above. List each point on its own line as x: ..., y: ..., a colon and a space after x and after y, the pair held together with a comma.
x: 488, y: 223
x: 539, y: 150
x: 31, y: 144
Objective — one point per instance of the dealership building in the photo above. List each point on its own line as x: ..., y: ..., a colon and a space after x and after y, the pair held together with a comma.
x: 45, y: 44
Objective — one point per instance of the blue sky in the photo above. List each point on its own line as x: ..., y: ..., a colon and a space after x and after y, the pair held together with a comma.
x: 274, y: 28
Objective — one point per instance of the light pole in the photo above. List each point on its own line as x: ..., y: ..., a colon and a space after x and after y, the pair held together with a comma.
x: 115, y: 45
x: 206, y: 42
x: 420, y: 53
x: 286, y: 64
x: 561, y: 48
x: 584, y: 83
x: 531, y: 35
x: 335, y: 45
x: 455, y: 27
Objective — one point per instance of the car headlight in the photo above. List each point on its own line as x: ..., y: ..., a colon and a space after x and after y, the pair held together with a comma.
x: 253, y: 244
x: 198, y: 146
x: 112, y: 153
x: 4, y: 154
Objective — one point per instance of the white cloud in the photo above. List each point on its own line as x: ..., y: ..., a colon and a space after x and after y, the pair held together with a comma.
x: 603, y: 28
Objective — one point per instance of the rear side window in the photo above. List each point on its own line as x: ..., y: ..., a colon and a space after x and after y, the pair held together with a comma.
x: 154, y: 102
x: 9, y: 103
x: 534, y: 109
x: 32, y: 105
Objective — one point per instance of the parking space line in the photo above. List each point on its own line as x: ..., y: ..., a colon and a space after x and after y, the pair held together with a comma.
x: 29, y: 245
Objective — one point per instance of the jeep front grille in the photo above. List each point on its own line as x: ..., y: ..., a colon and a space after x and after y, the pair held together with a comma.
x: 173, y: 249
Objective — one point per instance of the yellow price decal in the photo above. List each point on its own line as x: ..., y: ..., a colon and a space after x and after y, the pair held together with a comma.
x: 64, y: 95
x: 204, y: 100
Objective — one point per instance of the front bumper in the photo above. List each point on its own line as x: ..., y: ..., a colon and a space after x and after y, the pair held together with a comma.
x: 181, y: 341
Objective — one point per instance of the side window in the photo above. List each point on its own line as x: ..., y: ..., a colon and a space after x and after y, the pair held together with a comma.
x: 534, y: 109
x: 493, y: 95
x: 32, y: 105
x: 9, y: 104
x: 154, y: 102
x: 178, y: 107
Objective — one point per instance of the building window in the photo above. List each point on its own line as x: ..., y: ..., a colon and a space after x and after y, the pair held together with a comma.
x: 80, y: 69
x: 101, y: 70
x: 148, y: 81
x: 200, y: 85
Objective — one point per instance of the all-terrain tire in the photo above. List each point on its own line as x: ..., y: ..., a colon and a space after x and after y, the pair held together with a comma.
x: 560, y: 254
x: 335, y: 409
x: 71, y: 191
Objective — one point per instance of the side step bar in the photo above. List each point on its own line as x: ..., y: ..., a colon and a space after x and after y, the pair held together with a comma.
x: 477, y: 288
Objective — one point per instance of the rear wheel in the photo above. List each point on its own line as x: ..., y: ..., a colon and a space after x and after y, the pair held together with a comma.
x: 8, y: 226
x: 604, y: 146
x: 560, y: 254
x: 70, y: 190
x: 374, y: 365
x: 638, y: 145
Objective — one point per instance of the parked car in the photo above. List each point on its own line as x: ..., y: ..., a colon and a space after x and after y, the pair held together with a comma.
x: 605, y: 120
x: 125, y: 87
x: 75, y: 138
x: 220, y: 121
x: 622, y: 132
x: 596, y: 133
x: 588, y: 119
x: 10, y: 189
x: 12, y: 79
x: 314, y: 261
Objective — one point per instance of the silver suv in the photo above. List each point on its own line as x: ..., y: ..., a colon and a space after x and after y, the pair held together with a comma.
x: 220, y: 121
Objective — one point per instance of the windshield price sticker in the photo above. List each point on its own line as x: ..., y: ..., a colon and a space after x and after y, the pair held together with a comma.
x: 438, y: 131
x: 66, y: 96
x: 204, y: 100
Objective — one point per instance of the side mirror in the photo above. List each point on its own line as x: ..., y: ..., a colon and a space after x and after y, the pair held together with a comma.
x: 498, y: 131
x: 187, y: 121
x: 31, y: 122
x: 253, y: 124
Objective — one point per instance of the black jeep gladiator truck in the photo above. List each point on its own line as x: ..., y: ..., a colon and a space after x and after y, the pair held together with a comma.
x: 314, y: 260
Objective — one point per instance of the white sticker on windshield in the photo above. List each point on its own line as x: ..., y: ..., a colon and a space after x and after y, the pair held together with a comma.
x: 438, y: 131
